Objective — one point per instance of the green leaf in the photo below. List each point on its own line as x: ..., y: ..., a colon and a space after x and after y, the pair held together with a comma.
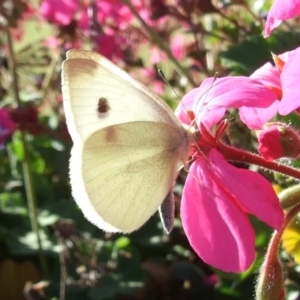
x: 244, y: 58
x: 247, y: 55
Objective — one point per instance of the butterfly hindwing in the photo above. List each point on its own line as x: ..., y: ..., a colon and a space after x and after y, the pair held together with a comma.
x: 126, y: 172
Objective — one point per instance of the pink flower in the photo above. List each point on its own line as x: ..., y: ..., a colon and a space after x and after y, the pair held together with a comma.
x: 115, y: 12
x: 108, y: 45
x: 112, y: 18
x: 218, y: 196
x: 60, y: 12
x: 178, y: 46
x: 111, y: 13
x: 281, y: 10
x: 210, y: 101
x: 216, y: 200
x: 283, y: 80
x: 7, y: 125
x: 157, y: 55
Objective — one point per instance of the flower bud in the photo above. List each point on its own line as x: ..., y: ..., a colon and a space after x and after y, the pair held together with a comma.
x: 278, y: 140
x: 289, y: 197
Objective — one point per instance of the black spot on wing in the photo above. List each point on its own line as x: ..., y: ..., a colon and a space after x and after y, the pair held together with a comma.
x: 103, y: 106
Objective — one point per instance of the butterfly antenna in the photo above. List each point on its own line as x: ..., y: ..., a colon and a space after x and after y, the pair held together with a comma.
x: 162, y: 75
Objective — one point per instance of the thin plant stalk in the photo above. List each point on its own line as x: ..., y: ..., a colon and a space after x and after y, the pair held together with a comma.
x: 28, y: 180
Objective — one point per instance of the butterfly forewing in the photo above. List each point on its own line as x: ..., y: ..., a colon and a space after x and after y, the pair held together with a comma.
x: 86, y: 77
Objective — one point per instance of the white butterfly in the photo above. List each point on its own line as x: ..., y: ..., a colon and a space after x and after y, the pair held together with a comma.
x: 128, y: 144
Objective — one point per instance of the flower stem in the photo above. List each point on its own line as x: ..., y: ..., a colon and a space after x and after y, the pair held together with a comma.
x: 270, y: 280
x: 28, y: 180
x: 235, y: 154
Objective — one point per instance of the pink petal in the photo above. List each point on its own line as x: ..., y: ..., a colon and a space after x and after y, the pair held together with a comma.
x: 290, y: 84
x: 217, y: 228
x: 214, y: 97
x: 286, y: 55
x: 185, y: 105
x: 268, y: 75
x: 281, y: 10
x: 251, y: 190
x: 255, y: 118
x: 178, y: 46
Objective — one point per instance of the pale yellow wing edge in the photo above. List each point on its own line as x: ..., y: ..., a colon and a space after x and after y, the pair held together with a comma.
x: 80, y: 195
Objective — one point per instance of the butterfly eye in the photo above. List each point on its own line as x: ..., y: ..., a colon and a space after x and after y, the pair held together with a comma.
x: 103, y: 105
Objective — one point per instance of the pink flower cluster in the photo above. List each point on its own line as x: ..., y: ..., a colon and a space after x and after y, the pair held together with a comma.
x: 218, y: 196
x: 109, y: 23
x: 113, y: 16
x: 114, y: 32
